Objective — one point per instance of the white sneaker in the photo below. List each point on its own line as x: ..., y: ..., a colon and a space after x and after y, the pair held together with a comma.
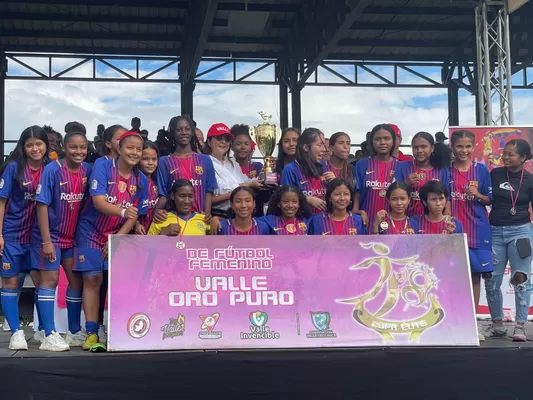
x: 5, y: 326
x: 18, y: 341
x: 481, y: 335
x: 39, y: 336
x: 75, y: 339
x: 54, y: 342
x: 102, y: 334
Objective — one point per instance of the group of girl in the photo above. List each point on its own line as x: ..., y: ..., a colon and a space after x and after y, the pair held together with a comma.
x: 61, y: 212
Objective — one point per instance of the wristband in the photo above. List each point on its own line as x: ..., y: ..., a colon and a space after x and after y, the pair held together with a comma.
x: 45, y: 243
x: 123, y: 213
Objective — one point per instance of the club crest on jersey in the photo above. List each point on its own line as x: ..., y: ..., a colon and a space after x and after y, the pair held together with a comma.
x: 199, y: 169
x: 302, y: 226
x: 6, y: 266
x: 122, y: 186
x: 322, y: 178
x: 133, y: 189
x: 474, y: 183
x: 154, y: 188
x: 352, y: 231
x: 391, y: 172
x: 84, y: 181
x: 81, y: 258
x: 253, y: 174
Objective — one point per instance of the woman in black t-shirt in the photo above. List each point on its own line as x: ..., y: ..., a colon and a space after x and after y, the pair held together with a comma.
x: 512, y: 233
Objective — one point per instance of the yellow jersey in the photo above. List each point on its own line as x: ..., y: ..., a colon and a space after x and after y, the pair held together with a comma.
x: 194, y: 226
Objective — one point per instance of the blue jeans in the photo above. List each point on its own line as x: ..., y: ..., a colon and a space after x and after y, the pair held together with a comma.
x: 504, y: 250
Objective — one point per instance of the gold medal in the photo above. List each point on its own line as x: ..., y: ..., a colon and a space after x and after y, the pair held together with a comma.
x: 382, y: 193
x: 513, y: 211
x: 384, y: 226
x: 422, y: 176
x: 290, y: 228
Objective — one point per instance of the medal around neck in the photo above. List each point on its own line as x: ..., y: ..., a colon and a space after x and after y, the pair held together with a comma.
x: 384, y: 225
x: 513, y: 211
x: 266, y: 136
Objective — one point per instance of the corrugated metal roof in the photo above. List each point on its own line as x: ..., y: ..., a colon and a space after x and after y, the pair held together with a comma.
x: 413, y: 29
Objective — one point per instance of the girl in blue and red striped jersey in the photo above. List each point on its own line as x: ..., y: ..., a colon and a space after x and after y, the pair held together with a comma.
x: 242, y: 147
x: 288, y: 212
x: 148, y: 166
x: 338, y: 166
x: 20, y: 176
x: 434, y: 196
x: 286, y: 148
x: 471, y: 193
x: 242, y: 201
x: 119, y: 194
x: 428, y: 164
x: 307, y: 171
x: 111, y: 137
x: 373, y: 175
x: 186, y: 163
x: 338, y: 220
x: 395, y: 222
x: 60, y: 198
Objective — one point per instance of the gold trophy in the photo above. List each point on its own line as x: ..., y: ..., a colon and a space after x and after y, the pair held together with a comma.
x: 266, y: 136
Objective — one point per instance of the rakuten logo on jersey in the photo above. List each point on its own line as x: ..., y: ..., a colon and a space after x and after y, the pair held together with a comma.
x: 29, y: 196
x: 72, y: 197
x: 111, y: 199
x: 377, y: 185
x: 462, y: 196
x: 152, y: 203
x: 195, y: 182
x: 314, y: 193
x: 415, y: 195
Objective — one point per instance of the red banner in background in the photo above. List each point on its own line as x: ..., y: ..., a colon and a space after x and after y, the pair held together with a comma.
x: 490, y: 141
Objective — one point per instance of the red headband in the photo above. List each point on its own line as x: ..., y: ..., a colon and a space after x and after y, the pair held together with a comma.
x: 130, y: 133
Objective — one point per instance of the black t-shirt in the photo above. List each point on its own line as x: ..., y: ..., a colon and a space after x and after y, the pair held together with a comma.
x: 500, y: 214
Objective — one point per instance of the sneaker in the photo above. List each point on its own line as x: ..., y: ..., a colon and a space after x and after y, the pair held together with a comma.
x: 495, y: 332
x: 5, y: 326
x: 480, y: 335
x: 18, y: 341
x: 519, y: 333
x: 98, y: 348
x: 75, y: 339
x: 39, y: 336
x: 102, y: 334
x: 92, y: 339
x: 54, y: 342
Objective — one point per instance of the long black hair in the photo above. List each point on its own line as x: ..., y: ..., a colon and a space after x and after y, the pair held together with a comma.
x: 347, y: 168
x: 173, y: 123
x: 440, y: 156
x: 307, y: 138
x: 304, y: 210
x: 398, y: 185
x: 280, y: 162
x: 385, y: 127
x: 435, y: 187
x: 19, y: 155
x: 231, y: 213
x: 334, y: 184
x: 177, y: 185
x: 108, y: 136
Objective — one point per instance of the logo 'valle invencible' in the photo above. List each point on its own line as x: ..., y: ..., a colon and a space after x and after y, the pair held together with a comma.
x: 259, y: 328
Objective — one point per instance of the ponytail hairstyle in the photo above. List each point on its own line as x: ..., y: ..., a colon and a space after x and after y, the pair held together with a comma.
x: 334, y: 184
x: 304, y: 210
x: 522, y: 148
x: 19, y: 155
x: 177, y: 185
x: 173, y: 124
x: 370, y: 140
x: 108, y: 136
x: 435, y: 187
x: 280, y: 162
x: 347, y: 168
x: 440, y: 157
x: 310, y: 167
x: 231, y: 213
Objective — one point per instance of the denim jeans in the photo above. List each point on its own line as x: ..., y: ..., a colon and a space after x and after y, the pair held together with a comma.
x: 504, y: 250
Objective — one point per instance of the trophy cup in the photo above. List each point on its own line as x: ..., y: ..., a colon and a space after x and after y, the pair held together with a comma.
x: 266, y: 136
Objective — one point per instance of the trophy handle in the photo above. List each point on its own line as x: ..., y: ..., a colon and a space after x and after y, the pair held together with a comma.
x: 251, y: 131
x: 278, y: 134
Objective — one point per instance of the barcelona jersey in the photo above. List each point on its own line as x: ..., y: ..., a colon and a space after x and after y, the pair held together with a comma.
x: 341, y: 173
x: 252, y: 169
x: 407, y: 226
x: 427, y: 227
x: 323, y: 224
x: 293, y: 174
x: 153, y: 196
x: 279, y: 226
x: 227, y: 228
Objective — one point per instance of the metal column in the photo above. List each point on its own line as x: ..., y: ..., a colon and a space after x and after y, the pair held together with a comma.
x: 493, y: 46
x: 3, y: 73
x: 453, y: 104
x: 296, y: 100
x: 186, y: 92
x: 283, y: 98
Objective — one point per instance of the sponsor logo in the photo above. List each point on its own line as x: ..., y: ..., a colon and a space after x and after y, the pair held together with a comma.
x: 259, y: 328
x: 303, y: 182
x: 208, y: 327
x: 6, y: 266
x: 63, y: 183
x: 72, y: 196
x: 26, y: 183
x: 484, y: 264
x: 462, y: 196
x: 174, y: 170
x: 108, y: 182
x: 506, y: 186
x: 321, y: 321
x: 29, y: 196
x: 174, y: 328
x: 369, y: 172
x: 377, y: 185
x: 138, y: 325
x: 326, y: 233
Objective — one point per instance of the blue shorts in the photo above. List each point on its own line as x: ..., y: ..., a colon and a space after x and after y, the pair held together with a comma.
x: 39, y: 262
x: 15, y: 259
x: 88, y: 261
x: 480, y: 261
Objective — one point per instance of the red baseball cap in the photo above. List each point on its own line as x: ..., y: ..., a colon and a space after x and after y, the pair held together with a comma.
x: 219, y: 129
x: 396, y: 130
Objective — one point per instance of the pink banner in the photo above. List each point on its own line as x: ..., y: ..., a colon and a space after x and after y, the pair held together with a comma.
x: 289, y: 292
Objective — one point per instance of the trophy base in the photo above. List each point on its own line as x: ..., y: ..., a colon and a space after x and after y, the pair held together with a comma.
x: 270, y: 179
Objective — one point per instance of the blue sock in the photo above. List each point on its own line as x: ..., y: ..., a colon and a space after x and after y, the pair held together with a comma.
x: 38, y: 309
x: 74, y: 310
x: 47, y: 301
x: 11, y: 308
x: 92, y: 327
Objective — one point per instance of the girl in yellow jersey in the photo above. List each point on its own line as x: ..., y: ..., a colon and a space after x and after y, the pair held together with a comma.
x: 180, y: 219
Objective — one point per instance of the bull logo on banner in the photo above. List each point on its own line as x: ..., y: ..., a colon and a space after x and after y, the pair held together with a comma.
x: 412, y: 283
